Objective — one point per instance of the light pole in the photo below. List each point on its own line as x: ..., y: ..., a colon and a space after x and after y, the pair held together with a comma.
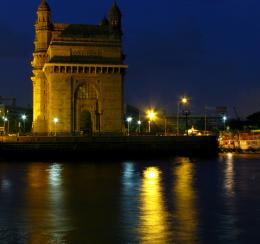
x: 151, y: 116
x: 165, y: 126
x: 129, y: 119
x: 205, y: 121
x: 224, y: 121
x: 24, y: 117
x: 55, y: 120
x: 184, y: 101
x: 139, y: 122
x: 6, y: 120
x: 186, y: 112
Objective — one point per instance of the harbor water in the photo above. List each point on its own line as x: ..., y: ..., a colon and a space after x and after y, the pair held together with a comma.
x: 175, y: 200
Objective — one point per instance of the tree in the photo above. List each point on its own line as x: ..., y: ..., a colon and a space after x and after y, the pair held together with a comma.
x: 254, y: 119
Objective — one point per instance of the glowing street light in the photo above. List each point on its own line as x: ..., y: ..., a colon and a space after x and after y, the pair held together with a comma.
x: 224, y: 118
x: 183, y: 101
x: 5, y: 119
x: 129, y: 119
x: 139, y: 122
x: 24, y: 117
x: 55, y: 120
x: 151, y: 115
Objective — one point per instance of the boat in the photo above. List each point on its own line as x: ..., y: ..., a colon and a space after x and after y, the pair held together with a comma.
x: 240, y: 141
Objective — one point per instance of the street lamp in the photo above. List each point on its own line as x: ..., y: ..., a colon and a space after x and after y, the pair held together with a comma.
x: 183, y: 101
x: 139, y: 122
x: 24, y: 117
x: 165, y: 125
x: 224, y: 121
x: 6, y: 120
x: 186, y: 112
x: 55, y: 120
x: 129, y: 119
x: 151, y: 116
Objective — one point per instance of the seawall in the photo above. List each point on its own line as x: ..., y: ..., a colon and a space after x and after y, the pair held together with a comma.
x: 46, y: 147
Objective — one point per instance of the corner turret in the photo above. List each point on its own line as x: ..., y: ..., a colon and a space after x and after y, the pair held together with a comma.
x: 43, y: 35
x: 43, y: 16
x: 43, y: 27
x: 114, y: 17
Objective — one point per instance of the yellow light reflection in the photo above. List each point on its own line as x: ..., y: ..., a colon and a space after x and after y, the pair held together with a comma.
x: 185, y: 214
x: 37, y: 200
x: 151, y: 174
x: 229, y: 175
x: 153, y: 215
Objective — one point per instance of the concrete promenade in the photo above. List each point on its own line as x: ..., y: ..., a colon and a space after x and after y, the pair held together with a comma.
x: 105, y: 146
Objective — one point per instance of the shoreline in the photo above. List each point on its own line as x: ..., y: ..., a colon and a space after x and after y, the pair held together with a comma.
x: 107, y: 147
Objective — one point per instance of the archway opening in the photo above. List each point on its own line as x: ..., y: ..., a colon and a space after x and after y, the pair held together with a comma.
x: 86, y: 109
x: 85, y: 122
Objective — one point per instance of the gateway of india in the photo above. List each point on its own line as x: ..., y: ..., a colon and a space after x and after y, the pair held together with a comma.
x: 77, y: 75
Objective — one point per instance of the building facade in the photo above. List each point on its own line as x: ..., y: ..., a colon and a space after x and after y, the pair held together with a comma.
x: 78, y: 73
x: 14, y: 119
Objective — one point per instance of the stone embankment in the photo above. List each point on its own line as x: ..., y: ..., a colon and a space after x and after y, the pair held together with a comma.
x: 73, y: 147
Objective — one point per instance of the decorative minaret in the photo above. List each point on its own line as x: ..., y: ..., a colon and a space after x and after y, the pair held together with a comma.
x: 114, y: 17
x: 43, y: 32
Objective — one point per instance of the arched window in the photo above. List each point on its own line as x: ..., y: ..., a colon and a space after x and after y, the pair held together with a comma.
x: 86, y: 91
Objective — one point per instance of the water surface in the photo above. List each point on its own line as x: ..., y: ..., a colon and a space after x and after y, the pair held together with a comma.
x: 180, y: 200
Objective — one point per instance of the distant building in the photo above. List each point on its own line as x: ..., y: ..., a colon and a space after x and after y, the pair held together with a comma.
x: 14, y: 118
x: 78, y: 75
x: 210, y: 123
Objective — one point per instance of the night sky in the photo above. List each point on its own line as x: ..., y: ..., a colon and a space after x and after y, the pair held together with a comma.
x: 206, y: 49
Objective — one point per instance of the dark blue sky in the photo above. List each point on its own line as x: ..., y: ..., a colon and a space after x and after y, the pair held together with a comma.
x: 207, y: 49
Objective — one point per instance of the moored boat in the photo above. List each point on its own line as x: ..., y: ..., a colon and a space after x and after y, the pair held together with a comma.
x: 243, y: 141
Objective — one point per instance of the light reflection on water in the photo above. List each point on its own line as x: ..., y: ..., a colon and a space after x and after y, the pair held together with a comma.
x: 229, y: 174
x: 153, y: 215
x: 45, y: 210
x: 184, y: 197
x: 181, y: 200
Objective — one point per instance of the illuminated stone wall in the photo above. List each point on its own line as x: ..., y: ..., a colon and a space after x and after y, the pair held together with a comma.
x: 78, y: 71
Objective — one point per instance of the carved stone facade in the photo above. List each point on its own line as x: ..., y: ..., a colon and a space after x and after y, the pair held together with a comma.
x: 78, y: 73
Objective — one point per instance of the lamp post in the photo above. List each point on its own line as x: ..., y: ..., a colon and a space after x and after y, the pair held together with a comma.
x: 55, y: 120
x: 186, y: 112
x: 24, y: 117
x: 151, y: 116
x: 6, y: 120
x: 139, y: 122
x: 224, y: 121
x: 129, y: 119
x: 205, y: 120
x: 184, y: 101
x: 165, y: 126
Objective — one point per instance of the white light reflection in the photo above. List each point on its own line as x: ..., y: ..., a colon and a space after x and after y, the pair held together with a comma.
x: 6, y: 184
x: 129, y: 200
x: 57, y: 215
x: 55, y: 174
x: 128, y: 172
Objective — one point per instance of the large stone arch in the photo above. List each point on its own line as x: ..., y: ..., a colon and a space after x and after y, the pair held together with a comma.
x: 87, y: 101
